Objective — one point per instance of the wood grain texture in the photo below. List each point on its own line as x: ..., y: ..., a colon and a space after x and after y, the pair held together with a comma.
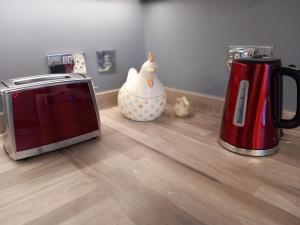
x: 169, y: 171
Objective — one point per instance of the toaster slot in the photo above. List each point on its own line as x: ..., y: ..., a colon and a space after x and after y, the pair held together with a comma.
x: 39, y: 79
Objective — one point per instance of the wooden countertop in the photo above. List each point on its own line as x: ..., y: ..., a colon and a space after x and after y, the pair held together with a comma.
x: 169, y: 171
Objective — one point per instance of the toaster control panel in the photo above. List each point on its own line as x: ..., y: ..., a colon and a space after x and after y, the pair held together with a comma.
x: 241, y: 104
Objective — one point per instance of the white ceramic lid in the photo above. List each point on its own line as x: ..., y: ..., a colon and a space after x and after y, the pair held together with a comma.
x: 139, y: 88
x: 146, y: 83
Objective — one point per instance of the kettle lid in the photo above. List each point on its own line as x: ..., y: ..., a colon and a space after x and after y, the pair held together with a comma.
x: 258, y: 59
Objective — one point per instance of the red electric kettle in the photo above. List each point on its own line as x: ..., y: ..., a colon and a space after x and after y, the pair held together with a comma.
x: 252, y: 115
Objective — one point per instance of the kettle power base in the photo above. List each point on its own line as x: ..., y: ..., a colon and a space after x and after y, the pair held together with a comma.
x: 248, y: 152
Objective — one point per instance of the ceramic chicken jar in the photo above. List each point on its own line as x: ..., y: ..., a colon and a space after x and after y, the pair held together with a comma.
x: 182, y: 107
x: 142, y: 97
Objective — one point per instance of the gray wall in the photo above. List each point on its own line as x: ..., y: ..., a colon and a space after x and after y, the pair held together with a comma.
x: 190, y: 38
x: 30, y: 29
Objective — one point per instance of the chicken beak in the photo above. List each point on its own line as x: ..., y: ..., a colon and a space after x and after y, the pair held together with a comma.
x: 150, y: 81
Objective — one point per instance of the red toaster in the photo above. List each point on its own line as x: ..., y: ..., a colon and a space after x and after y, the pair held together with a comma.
x: 47, y: 112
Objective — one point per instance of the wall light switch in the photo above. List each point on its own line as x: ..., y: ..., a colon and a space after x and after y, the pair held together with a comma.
x: 79, y: 64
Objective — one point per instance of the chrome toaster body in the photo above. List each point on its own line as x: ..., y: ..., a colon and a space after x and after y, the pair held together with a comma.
x: 47, y: 112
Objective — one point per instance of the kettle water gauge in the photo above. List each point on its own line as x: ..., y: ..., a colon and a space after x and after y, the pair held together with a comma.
x: 241, y: 104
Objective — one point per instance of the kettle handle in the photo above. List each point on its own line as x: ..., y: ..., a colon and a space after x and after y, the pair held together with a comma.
x: 295, y: 121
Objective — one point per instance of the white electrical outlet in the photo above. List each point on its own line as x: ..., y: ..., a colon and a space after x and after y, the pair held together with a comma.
x: 67, y: 63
